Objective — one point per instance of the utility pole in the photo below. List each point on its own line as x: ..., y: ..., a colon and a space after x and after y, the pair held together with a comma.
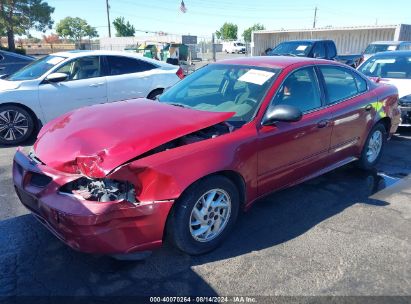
x: 108, y: 18
x: 315, y: 17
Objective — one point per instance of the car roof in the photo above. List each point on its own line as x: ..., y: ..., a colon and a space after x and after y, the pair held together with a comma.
x: 392, y: 53
x: 16, y: 55
x: 278, y: 62
x: 83, y: 53
x: 389, y: 42
x: 307, y: 40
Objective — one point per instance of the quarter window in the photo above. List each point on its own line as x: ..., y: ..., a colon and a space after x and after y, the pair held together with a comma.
x: 339, y: 83
x: 300, y: 90
x: 119, y: 65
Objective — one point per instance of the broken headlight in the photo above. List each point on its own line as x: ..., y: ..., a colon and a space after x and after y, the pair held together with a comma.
x: 101, y: 190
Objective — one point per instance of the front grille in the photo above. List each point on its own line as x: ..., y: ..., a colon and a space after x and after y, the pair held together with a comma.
x: 40, y: 180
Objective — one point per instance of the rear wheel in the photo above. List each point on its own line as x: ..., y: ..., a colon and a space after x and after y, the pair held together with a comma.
x: 16, y: 125
x: 373, y: 147
x: 204, y: 215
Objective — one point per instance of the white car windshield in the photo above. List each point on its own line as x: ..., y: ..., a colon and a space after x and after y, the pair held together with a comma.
x: 36, y: 68
x: 395, y: 66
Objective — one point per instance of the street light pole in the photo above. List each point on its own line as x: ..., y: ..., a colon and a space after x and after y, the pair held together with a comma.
x: 108, y: 18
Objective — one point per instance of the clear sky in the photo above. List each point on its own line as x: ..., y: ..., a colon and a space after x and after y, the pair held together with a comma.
x: 206, y: 16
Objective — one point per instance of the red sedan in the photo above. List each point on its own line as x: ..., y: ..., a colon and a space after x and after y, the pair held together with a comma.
x: 117, y: 178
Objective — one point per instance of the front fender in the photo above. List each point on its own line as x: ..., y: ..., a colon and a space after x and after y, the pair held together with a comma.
x: 167, y: 174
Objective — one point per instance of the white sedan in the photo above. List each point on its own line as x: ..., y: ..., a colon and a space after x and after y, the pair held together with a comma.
x: 61, y: 82
x: 393, y: 68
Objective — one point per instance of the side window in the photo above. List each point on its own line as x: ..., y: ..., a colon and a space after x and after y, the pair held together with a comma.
x: 339, y: 83
x: 119, y: 65
x: 319, y: 50
x: 331, y: 51
x: 300, y: 90
x: 82, y: 68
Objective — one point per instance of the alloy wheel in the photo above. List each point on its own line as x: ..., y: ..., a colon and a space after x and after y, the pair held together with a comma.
x: 13, y: 125
x: 374, y: 146
x: 210, y: 215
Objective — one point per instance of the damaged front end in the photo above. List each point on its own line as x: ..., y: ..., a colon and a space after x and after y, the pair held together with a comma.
x: 101, y: 190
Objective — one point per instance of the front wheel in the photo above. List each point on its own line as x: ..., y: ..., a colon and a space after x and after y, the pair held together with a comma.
x: 204, y: 215
x: 16, y: 125
x: 373, y: 147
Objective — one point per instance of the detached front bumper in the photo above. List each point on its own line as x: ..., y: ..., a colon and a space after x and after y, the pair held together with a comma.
x: 115, y: 227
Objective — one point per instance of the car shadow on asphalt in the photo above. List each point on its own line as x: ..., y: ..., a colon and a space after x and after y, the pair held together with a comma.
x: 27, y: 143
x: 42, y: 265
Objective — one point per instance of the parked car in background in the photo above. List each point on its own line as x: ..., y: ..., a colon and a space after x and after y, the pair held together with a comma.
x: 393, y: 67
x: 314, y: 48
x: 215, y: 142
x: 12, y: 62
x: 234, y: 47
x: 61, y: 82
x: 383, y: 46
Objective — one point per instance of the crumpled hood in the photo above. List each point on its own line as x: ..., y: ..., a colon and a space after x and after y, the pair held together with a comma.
x: 6, y: 85
x: 100, y: 138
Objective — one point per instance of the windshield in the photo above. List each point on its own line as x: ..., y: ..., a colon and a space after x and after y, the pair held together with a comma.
x: 223, y: 88
x: 387, y: 67
x: 36, y: 68
x: 377, y: 48
x: 297, y: 48
x: 239, y: 44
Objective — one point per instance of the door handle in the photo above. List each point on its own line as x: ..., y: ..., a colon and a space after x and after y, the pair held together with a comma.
x: 94, y: 85
x: 323, y: 123
x: 368, y: 107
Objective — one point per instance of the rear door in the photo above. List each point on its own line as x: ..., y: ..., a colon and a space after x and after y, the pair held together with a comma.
x: 86, y: 85
x: 128, y: 78
x: 289, y: 152
x: 353, y: 109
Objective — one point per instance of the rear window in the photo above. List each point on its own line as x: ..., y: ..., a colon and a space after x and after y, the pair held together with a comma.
x: 377, y: 48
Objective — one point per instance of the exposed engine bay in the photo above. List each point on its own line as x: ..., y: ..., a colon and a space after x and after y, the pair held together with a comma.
x: 207, y: 133
x: 101, y: 190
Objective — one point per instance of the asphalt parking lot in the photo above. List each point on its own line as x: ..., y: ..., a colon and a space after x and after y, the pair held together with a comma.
x: 328, y: 236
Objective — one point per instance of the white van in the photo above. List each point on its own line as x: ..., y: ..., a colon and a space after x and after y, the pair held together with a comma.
x: 233, y: 47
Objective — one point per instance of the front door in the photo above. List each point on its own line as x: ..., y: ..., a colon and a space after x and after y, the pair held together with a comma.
x: 86, y: 85
x: 289, y: 152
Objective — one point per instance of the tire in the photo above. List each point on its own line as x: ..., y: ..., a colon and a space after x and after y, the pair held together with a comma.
x: 373, y: 147
x: 16, y: 125
x: 153, y: 94
x: 182, y: 227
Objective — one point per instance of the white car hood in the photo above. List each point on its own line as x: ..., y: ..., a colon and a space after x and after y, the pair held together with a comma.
x: 6, y: 85
x: 403, y: 85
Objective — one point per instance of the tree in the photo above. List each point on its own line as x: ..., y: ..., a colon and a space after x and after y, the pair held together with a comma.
x: 75, y: 28
x: 51, y: 39
x: 17, y: 17
x: 123, y: 29
x: 247, y: 32
x: 227, y: 32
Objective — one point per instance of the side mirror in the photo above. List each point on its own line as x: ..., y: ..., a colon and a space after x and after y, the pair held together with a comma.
x: 283, y: 113
x: 56, y: 77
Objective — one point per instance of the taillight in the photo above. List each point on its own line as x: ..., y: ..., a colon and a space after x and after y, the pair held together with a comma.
x: 180, y: 73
